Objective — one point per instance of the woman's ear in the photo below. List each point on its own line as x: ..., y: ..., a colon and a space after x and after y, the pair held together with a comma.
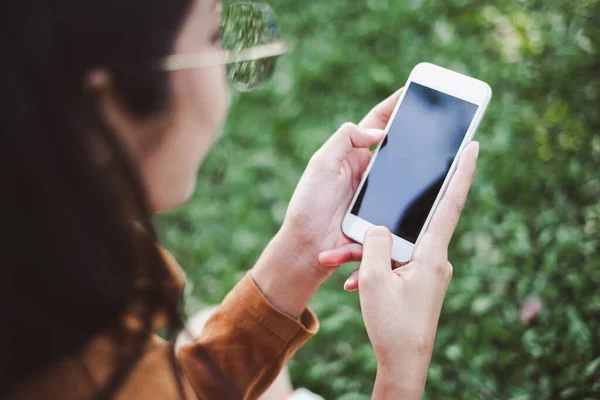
x: 98, y: 80
x: 113, y: 110
x: 99, y: 83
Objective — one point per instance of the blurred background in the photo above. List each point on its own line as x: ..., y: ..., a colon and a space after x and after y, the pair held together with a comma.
x: 522, y: 315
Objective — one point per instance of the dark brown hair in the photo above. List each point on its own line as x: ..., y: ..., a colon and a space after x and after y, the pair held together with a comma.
x: 70, y: 252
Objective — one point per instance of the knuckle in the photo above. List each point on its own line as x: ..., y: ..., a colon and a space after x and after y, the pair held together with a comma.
x: 449, y: 271
x: 365, y: 279
x: 423, y: 345
x: 347, y: 127
x: 441, y: 268
x: 458, y: 206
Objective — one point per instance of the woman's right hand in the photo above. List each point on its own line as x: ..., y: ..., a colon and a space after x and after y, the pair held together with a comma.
x: 401, y: 307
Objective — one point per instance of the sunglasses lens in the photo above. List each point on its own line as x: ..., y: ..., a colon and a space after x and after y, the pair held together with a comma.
x: 248, y: 25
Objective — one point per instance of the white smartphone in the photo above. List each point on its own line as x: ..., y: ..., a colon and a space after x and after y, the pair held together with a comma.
x: 435, y: 118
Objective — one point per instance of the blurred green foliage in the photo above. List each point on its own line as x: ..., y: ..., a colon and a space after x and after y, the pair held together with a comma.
x: 531, y: 228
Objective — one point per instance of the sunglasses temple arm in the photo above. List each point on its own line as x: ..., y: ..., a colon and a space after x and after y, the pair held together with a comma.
x: 178, y: 62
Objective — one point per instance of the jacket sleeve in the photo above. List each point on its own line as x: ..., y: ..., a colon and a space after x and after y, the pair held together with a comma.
x: 243, y: 345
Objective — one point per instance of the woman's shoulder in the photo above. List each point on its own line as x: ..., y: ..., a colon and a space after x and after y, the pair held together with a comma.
x: 81, y: 375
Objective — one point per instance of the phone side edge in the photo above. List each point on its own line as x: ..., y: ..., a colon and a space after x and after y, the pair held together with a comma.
x: 477, y: 119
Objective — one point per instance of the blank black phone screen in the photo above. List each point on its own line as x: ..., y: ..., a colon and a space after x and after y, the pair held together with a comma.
x: 414, y: 160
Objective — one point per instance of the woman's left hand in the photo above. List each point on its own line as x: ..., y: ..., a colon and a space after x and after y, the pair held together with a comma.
x: 292, y: 267
x: 319, y: 204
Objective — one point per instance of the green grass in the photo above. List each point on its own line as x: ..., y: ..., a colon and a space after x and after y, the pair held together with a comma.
x: 531, y: 227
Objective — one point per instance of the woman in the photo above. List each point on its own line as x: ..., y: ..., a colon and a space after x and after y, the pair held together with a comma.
x: 97, y: 136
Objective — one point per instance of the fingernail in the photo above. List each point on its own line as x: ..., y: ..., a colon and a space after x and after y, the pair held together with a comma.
x: 322, y: 256
x: 349, y: 282
x: 328, y: 258
x: 477, y: 150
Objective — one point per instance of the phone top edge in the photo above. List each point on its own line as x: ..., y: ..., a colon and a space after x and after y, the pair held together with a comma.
x: 451, y: 82
x: 432, y: 67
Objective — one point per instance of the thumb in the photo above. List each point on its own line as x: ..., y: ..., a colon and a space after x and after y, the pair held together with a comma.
x: 349, y: 137
x: 375, y: 267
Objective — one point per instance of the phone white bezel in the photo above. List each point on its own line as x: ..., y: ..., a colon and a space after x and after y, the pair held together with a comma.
x: 453, y: 84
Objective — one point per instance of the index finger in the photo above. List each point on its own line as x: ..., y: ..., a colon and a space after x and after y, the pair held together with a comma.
x: 379, y: 116
x: 435, y: 241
